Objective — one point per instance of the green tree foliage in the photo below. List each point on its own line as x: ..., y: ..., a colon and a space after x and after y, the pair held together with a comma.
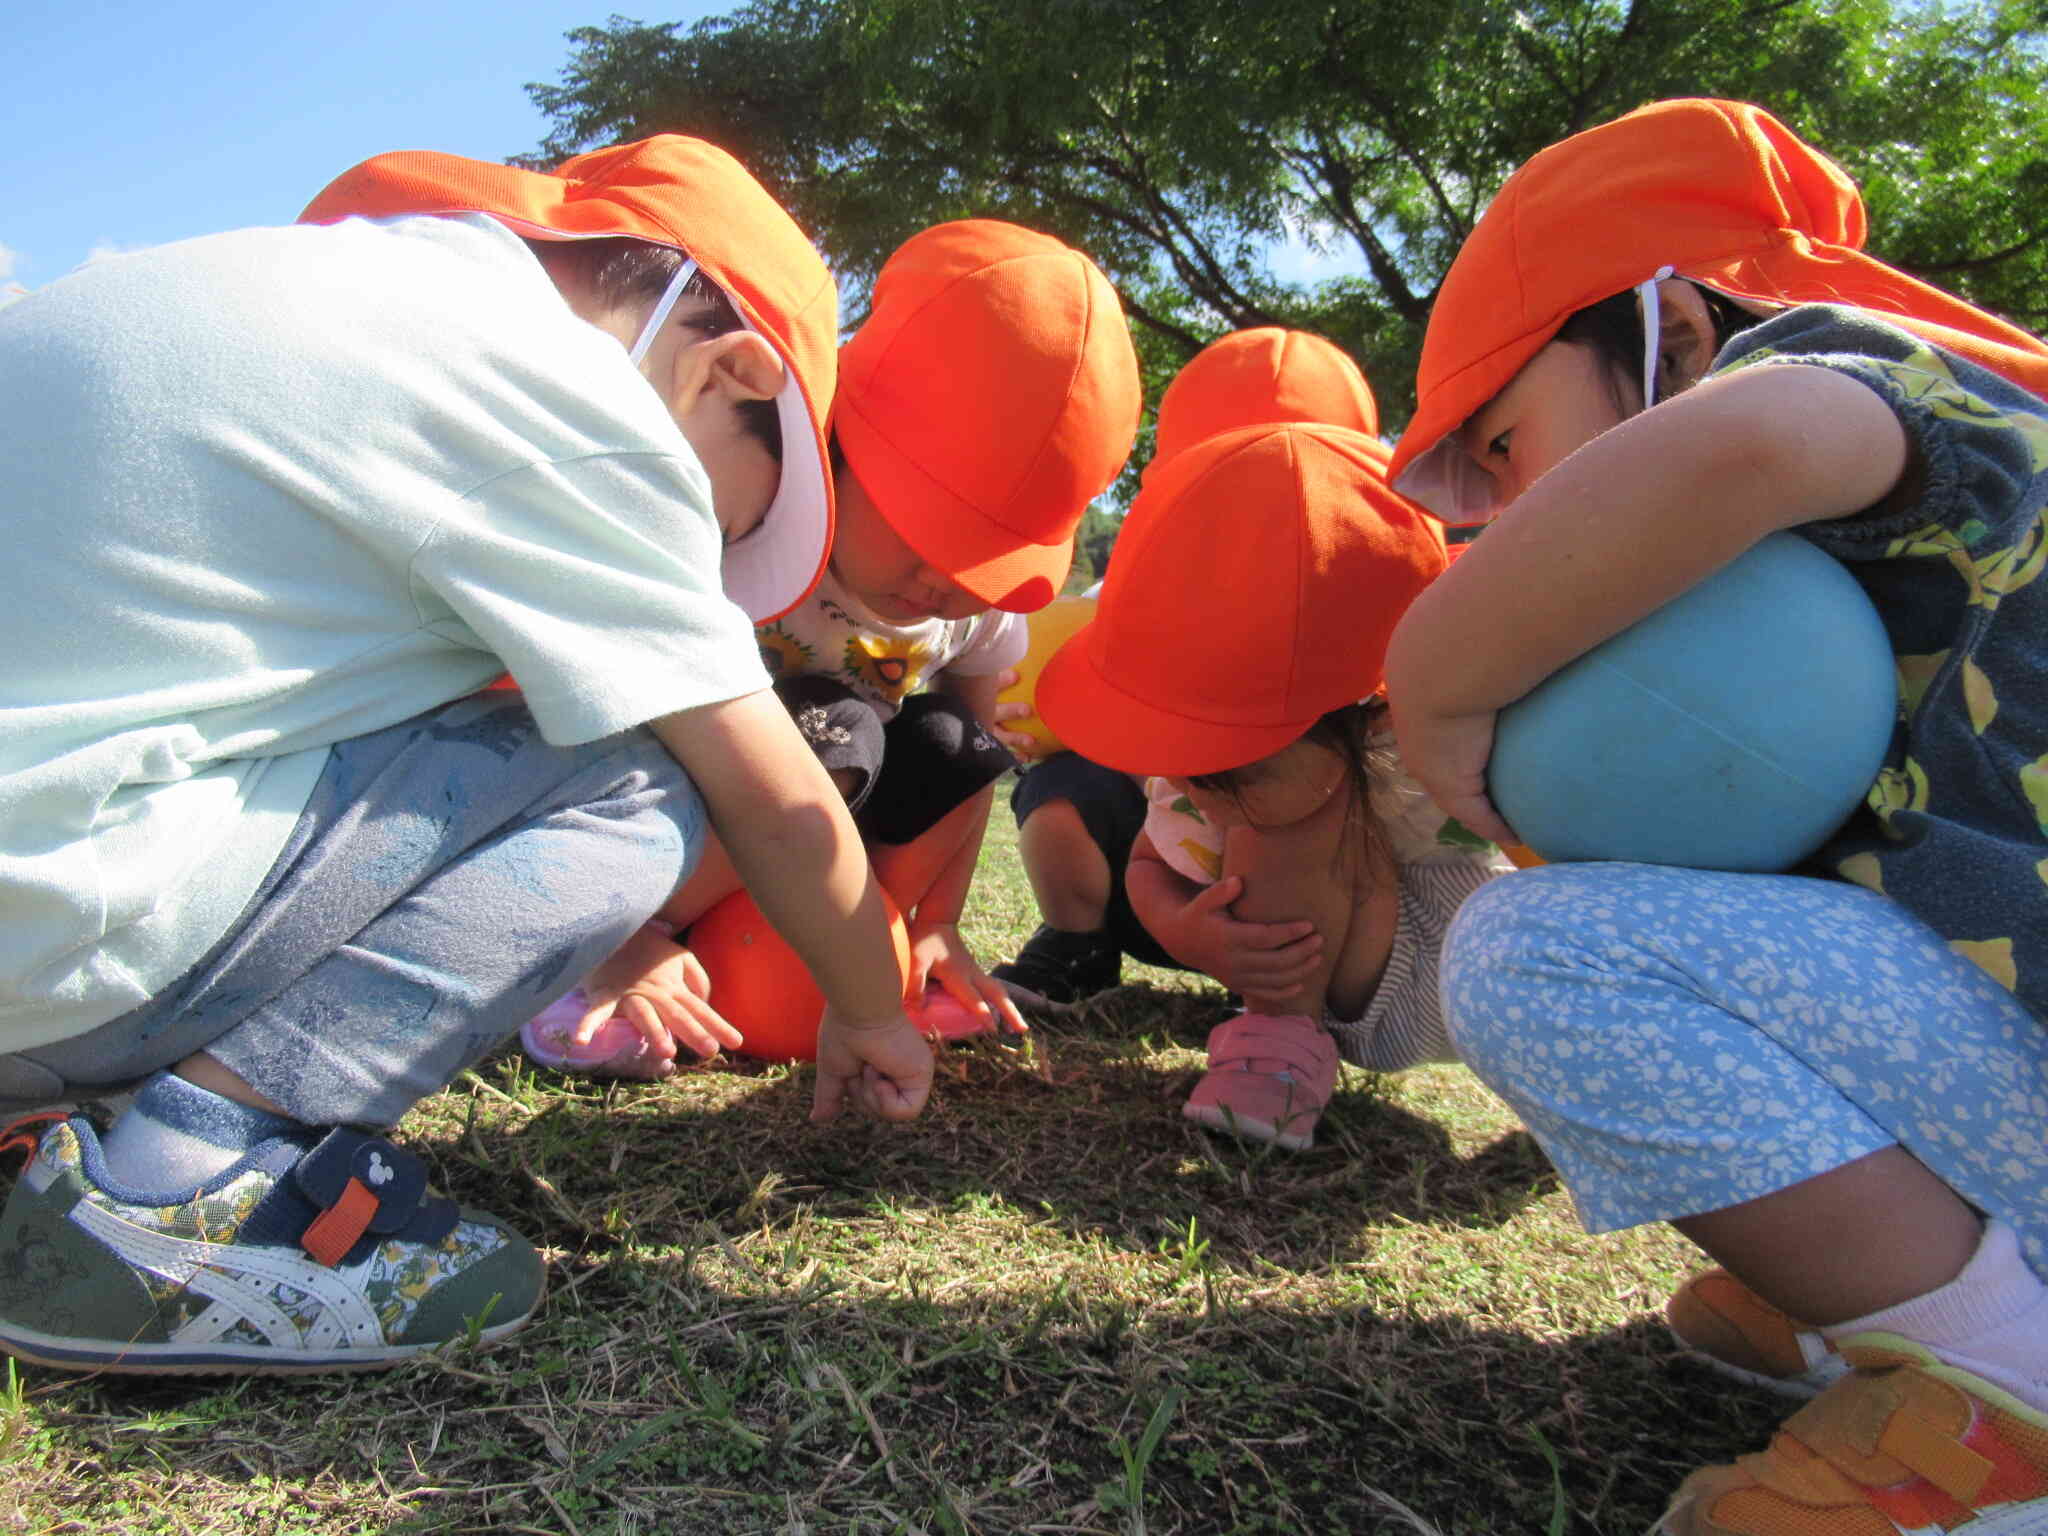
x: 1178, y: 140
x: 1093, y: 541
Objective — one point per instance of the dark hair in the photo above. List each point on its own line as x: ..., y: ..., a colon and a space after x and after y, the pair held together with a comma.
x: 622, y: 271
x: 1346, y: 731
x: 1613, y: 328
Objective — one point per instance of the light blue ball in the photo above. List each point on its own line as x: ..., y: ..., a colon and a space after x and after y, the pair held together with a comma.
x: 1734, y: 728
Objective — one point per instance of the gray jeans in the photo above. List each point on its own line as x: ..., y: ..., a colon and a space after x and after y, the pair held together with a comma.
x: 450, y: 877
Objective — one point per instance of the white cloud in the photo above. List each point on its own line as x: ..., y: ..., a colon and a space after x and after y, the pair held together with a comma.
x: 105, y: 248
x: 7, y: 260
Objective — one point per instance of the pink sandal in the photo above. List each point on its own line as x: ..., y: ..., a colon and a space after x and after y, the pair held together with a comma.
x: 940, y: 1015
x: 1269, y: 1077
x: 616, y: 1050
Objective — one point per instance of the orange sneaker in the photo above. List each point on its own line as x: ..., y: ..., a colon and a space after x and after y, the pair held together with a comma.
x: 1903, y: 1446
x: 1728, y: 1328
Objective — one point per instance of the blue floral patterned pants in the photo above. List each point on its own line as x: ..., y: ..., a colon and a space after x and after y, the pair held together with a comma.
x: 1681, y: 1041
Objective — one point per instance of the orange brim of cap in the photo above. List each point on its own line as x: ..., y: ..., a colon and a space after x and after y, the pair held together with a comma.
x: 989, y: 396
x: 1428, y: 463
x: 1716, y: 191
x: 1108, y: 724
x: 1256, y: 581
x: 692, y: 196
x: 951, y: 534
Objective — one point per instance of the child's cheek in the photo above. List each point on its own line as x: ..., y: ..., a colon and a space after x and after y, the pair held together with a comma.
x: 1282, y: 803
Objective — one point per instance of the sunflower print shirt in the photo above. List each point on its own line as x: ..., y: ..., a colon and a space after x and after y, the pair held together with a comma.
x: 833, y: 634
x: 1956, y: 827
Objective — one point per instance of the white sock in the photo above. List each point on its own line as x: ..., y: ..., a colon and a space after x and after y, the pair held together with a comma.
x: 1991, y: 1320
x: 178, y: 1135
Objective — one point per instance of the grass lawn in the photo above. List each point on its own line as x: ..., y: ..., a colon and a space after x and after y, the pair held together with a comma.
x: 1050, y: 1305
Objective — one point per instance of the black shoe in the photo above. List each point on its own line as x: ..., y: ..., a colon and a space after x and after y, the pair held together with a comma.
x: 1059, y: 966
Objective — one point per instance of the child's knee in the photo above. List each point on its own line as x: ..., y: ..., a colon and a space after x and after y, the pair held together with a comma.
x: 1500, y: 913
x: 841, y: 728
x: 1054, y: 824
x: 1067, y: 867
x: 1516, y: 954
x: 937, y: 757
x: 1584, y: 957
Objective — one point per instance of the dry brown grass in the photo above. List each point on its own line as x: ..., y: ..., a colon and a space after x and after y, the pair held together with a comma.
x: 1051, y: 1305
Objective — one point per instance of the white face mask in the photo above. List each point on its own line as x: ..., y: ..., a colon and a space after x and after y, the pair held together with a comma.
x: 1457, y: 491
x: 667, y: 302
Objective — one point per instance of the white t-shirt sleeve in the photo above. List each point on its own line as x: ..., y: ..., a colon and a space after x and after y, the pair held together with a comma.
x: 996, y: 640
x: 596, y: 581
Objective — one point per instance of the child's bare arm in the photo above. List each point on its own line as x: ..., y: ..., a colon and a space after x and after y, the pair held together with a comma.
x: 789, y: 836
x: 1194, y: 924
x: 979, y: 695
x: 936, y: 948
x: 1633, y: 518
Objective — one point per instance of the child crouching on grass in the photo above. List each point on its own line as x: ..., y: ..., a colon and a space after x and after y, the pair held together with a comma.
x: 1236, y: 657
x: 990, y: 395
x: 1078, y: 820
x: 282, y: 501
x: 1662, y: 343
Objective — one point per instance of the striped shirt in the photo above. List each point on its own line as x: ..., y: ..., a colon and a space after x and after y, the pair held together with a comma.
x: 1437, y: 863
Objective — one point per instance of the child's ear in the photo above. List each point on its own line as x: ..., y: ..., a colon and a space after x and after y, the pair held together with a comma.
x: 736, y: 366
x: 1686, y: 340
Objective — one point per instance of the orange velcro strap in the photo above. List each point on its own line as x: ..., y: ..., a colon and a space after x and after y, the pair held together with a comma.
x: 1936, y: 1455
x: 335, y: 1230
x: 24, y: 1135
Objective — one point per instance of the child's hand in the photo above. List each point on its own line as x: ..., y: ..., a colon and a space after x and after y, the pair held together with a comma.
x: 885, y: 1065
x: 938, y: 953
x: 1447, y: 755
x: 1257, y: 959
x: 1026, y: 747
x: 658, y: 987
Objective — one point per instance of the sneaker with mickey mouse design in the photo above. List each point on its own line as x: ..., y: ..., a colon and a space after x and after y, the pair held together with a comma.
x: 313, y: 1252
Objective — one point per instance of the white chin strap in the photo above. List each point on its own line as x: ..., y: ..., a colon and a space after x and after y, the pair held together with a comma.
x: 1652, y: 330
x: 674, y: 291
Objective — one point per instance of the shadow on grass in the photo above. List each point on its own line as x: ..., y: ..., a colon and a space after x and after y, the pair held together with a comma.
x: 963, y: 1325
x: 1082, y: 1131
x: 702, y: 1392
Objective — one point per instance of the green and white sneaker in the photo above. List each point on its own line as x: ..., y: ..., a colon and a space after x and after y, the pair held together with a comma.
x: 303, y: 1256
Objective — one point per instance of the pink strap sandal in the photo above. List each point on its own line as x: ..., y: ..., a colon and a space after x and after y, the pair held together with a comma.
x: 616, y: 1050
x: 942, y: 1016
x: 1269, y: 1077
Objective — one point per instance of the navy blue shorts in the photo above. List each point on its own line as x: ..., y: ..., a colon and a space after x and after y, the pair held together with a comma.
x: 908, y: 773
x: 1112, y: 808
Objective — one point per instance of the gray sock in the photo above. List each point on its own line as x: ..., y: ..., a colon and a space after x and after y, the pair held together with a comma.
x: 178, y: 1135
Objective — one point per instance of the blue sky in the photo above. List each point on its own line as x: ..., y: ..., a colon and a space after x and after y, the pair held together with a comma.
x: 133, y: 122
x: 126, y: 123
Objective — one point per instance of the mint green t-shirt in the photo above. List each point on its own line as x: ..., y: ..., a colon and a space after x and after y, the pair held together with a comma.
x: 274, y: 489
